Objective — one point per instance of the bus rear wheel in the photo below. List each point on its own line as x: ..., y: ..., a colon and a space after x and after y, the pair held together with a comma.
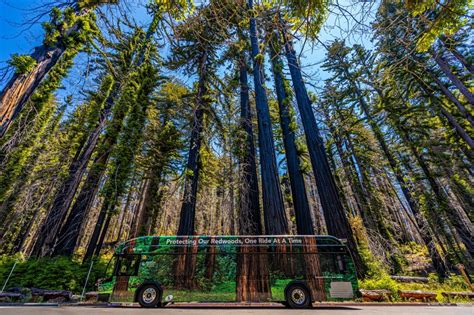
x: 149, y: 295
x: 297, y: 296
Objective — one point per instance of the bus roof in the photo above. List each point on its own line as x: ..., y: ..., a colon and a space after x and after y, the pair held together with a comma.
x: 153, y: 244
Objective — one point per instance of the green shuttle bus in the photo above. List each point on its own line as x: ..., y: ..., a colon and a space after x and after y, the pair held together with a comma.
x: 293, y: 270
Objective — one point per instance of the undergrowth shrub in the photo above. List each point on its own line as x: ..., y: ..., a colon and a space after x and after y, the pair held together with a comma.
x: 54, y: 273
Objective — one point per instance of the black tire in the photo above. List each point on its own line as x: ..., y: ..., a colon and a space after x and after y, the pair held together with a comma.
x: 297, y: 296
x: 149, y: 295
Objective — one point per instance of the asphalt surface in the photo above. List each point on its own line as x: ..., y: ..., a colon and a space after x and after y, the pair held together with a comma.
x: 349, y: 310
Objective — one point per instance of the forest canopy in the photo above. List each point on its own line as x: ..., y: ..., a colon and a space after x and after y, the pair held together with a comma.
x: 241, y: 117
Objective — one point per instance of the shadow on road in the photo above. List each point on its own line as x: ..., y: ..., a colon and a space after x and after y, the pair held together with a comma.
x: 233, y: 307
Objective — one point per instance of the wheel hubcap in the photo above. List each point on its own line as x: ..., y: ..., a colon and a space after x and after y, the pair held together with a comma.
x: 149, y: 295
x: 298, y: 296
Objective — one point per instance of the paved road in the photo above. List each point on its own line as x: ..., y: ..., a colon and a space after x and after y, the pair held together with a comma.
x: 353, y: 310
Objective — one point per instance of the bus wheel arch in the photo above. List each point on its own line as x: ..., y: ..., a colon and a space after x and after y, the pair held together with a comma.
x: 298, y: 295
x: 149, y: 294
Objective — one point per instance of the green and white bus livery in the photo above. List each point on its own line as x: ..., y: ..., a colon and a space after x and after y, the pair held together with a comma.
x: 293, y: 270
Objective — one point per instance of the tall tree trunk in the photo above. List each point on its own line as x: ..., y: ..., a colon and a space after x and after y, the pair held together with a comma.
x: 335, y: 216
x: 185, y: 263
x: 249, y: 262
x: 124, y: 213
x: 249, y: 202
x: 273, y: 209
x: 304, y: 223
x: 355, y: 210
x: 193, y: 166
x: 21, y: 87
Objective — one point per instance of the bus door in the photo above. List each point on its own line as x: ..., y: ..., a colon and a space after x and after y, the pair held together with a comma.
x: 127, y: 266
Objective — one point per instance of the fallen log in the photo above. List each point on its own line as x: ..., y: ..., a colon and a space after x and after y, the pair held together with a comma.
x: 51, y: 295
x: 414, y: 295
x: 10, y: 297
x: 463, y: 295
x: 407, y: 279
x: 375, y: 295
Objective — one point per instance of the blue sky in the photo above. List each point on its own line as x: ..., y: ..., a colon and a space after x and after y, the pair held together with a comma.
x: 15, y: 37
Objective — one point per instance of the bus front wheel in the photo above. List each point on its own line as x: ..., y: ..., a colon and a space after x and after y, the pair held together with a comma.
x: 297, y: 296
x: 149, y: 295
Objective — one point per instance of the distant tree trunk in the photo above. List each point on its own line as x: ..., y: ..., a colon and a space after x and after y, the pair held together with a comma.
x: 458, y: 55
x: 460, y: 222
x: 124, y: 212
x: 355, y: 210
x: 462, y: 133
x: 210, y: 262
x: 70, y: 232
x: 65, y: 194
x: 442, y: 112
x: 103, y: 234
x: 335, y: 216
x: 360, y: 197
x: 273, y: 209
x: 151, y: 204
x: 453, y: 78
x: 135, y: 221
x: 437, y: 260
x: 453, y: 99
x: 304, y: 223
x: 129, y: 142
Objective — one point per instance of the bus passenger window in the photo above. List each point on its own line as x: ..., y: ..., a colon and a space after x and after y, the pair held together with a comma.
x: 128, y: 266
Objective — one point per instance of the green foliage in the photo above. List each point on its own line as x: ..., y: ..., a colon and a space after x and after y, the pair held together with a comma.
x: 68, y: 29
x: 438, y: 19
x: 89, y: 4
x: 23, y: 64
x: 58, y: 273
x: 136, y: 97
x: 307, y: 16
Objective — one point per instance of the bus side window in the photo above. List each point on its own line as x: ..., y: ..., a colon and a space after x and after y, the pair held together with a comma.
x: 328, y: 263
x: 128, y: 265
x: 340, y: 264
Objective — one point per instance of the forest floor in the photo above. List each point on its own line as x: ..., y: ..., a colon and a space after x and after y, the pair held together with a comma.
x: 277, y: 310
